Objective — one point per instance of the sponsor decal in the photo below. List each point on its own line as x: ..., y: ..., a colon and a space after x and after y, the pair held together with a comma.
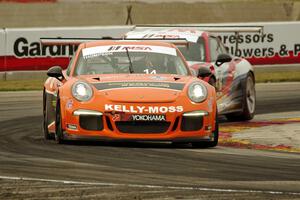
x: 69, y: 104
x: 158, y: 78
x: 142, y: 109
x: 132, y: 48
x: 137, y: 117
x: 168, y: 34
x: 99, y: 50
x: 148, y: 118
x: 115, y: 85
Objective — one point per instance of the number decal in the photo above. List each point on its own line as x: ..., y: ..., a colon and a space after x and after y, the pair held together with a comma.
x: 147, y: 71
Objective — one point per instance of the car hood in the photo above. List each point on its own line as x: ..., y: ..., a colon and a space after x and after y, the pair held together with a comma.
x: 139, y: 87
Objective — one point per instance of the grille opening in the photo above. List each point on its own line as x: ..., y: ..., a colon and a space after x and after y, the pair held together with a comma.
x: 90, y: 122
x: 109, y: 125
x: 175, y: 124
x: 191, y: 123
x: 142, y: 127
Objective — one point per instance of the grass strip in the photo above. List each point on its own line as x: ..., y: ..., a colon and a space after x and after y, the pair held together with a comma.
x: 277, y: 76
x: 21, y: 85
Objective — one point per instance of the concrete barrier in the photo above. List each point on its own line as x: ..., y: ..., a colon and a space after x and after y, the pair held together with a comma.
x: 213, y: 12
x: 61, y: 14
x: 93, y: 13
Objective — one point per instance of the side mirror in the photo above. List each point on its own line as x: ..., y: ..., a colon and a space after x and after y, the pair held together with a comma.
x: 204, y: 72
x: 56, y: 72
x: 223, y: 58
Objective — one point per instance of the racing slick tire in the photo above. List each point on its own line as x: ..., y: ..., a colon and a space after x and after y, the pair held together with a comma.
x: 210, y: 143
x: 59, y: 138
x: 249, y: 102
x: 47, y: 135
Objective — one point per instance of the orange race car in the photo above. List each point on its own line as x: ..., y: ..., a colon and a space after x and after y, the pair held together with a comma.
x: 129, y: 90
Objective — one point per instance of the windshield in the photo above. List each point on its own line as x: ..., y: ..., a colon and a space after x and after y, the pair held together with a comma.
x: 115, y: 60
x: 193, y: 51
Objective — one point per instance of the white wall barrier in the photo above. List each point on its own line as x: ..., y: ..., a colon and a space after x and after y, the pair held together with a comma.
x: 2, y: 49
x: 20, y: 49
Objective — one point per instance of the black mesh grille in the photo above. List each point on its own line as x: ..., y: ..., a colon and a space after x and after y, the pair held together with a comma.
x: 175, y: 124
x: 89, y: 122
x: 142, y: 127
x: 191, y: 123
x: 109, y: 125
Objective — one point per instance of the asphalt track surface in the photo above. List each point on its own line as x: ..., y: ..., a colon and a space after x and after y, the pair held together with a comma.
x: 31, y: 168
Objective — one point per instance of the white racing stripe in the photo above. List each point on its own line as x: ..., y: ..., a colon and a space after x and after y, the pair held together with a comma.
x: 149, y: 186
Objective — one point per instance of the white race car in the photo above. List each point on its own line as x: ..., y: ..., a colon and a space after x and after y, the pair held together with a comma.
x: 233, y: 77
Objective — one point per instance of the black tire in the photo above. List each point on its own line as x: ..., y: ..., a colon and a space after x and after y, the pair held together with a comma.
x: 249, y: 102
x: 47, y: 135
x: 212, y: 81
x: 211, y: 143
x: 59, y: 138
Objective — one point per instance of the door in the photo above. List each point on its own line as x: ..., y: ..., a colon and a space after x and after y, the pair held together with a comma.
x: 224, y: 73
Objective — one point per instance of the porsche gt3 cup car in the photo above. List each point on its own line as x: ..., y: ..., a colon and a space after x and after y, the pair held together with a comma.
x: 233, y: 77
x: 129, y: 90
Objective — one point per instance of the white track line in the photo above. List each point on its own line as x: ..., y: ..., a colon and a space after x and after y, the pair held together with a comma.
x: 148, y: 186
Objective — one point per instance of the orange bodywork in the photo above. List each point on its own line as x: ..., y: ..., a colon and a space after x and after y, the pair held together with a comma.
x: 124, y: 100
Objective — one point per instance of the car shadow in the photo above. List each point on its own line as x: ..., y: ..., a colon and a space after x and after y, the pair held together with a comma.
x: 125, y: 144
x: 131, y: 144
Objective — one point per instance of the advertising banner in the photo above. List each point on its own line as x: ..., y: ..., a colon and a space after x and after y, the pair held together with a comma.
x: 278, y: 44
x: 25, y: 52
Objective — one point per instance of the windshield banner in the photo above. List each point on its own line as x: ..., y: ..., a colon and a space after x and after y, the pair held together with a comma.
x: 104, y: 50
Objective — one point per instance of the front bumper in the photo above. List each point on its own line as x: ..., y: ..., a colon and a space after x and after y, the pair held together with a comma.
x: 182, y: 127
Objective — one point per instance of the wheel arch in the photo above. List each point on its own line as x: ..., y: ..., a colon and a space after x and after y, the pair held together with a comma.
x: 251, y: 72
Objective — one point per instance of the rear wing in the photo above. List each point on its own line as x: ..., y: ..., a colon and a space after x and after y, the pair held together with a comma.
x: 48, y: 41
x: 76, y: 41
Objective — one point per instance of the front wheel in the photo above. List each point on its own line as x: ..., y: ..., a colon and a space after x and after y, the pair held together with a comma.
x: 58, y: 126
x: 249, y: 102
x: 47, y: 135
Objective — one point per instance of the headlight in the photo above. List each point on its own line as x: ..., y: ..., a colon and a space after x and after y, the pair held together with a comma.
x: 197, y: 92
x: 82, y: 91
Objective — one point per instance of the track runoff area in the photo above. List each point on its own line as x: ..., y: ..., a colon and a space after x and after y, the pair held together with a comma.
x: 160, y: 170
